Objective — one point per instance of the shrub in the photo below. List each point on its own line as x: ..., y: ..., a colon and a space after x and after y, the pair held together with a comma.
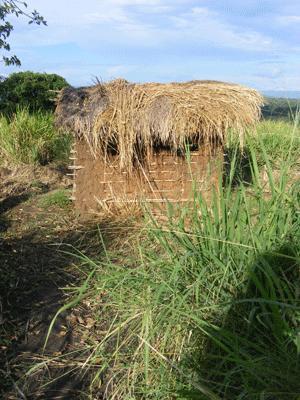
x: 280, y: 108
x: 32, y: 138
x: 35, y: 91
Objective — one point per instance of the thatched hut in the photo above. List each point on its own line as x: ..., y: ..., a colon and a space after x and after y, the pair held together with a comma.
x: 150, y: 141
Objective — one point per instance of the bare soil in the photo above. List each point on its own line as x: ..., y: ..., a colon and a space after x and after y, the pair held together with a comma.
x: 34, y: 271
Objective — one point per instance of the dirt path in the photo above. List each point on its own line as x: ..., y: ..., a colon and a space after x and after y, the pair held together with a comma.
x: 35, y: 224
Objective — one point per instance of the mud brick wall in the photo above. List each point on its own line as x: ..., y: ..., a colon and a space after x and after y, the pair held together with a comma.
x: 167, y: 177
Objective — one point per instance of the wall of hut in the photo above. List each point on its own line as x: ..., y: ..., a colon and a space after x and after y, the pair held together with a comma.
x: 166, y: 177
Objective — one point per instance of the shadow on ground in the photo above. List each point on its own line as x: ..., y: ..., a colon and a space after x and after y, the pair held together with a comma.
x: 33, y: 272
x: 34, y: 269
x: 6, y: 205
x: 255, y: 352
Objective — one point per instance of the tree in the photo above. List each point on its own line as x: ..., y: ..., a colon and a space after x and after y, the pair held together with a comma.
x: 16, y: 8
x: 32, y: 90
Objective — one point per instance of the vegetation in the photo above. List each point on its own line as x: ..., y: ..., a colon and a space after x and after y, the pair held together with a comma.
x: 276, y: 139
x: 205, y: 306
x: 32, y: 139
x: 15, y: 8
x: 32, y: 90
x: 281, y: 108
x: 58, y: 198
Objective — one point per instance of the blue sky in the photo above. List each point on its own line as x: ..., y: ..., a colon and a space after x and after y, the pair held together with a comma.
x: 246, y: 41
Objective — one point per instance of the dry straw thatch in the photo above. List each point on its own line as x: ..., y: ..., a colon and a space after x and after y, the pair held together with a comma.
x: 132, y: 119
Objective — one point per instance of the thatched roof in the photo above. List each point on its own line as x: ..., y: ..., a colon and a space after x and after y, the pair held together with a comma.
x: 134, y: 118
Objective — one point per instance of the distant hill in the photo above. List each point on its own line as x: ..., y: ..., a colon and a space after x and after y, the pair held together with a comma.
x: 284, y: 94
x: 281, y: 107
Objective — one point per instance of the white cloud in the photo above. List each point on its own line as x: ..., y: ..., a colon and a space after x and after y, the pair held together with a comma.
x: 136, y: 2
x: 118, y: 32
x: 116, y: 71
x: 289, y: 19
x: 123, y: 21
x: 272, y: 75
x: 206, y: 26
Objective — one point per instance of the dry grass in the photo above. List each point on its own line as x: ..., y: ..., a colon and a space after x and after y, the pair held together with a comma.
x: 131, y: 119
x: 15, y: 180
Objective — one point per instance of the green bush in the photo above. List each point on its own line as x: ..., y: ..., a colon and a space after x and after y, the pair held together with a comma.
x: 280, y: 108
x: 35, y: 91
x: 32, y: 139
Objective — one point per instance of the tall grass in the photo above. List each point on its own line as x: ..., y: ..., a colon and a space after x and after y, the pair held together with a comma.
x: 32, y: 139
x: 205, y: 306
x: 276, y: 137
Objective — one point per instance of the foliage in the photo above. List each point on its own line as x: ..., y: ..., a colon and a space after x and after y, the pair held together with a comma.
x: 35, y: 91
x: 32, y: 139
x: 16, y: 8
x: 280, y: 108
